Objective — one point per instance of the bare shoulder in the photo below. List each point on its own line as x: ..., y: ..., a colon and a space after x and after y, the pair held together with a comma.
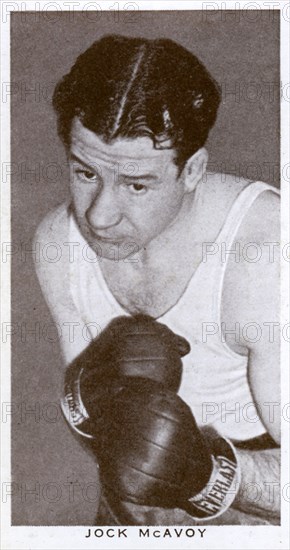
x: 251, y: 302
x: 251, y: 284
x: 225, y: 186
x: 49, y: 241
x: 218, y: 192
x: 262, y: 221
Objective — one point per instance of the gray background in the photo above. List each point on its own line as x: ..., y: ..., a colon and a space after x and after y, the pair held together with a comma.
x: 241, y: 50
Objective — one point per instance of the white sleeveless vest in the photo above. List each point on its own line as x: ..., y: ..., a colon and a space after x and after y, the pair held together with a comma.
x: 214, y: 382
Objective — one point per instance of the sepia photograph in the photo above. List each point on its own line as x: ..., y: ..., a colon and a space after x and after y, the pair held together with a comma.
x: 145, y: 255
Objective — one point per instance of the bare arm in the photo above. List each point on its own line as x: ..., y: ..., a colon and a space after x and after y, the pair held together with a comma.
x: 252, y: 298
x: 55, y: 279
x: 260, y: 490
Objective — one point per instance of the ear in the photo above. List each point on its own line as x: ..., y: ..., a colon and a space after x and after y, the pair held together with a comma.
x: 195, y: 169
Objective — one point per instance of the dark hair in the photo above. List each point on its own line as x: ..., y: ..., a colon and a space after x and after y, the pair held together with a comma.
x: 128, y: 87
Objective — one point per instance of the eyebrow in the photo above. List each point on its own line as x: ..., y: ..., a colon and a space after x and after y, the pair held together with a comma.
x: 140, y: 176
x: 80, y: 161
x: 127, y: 176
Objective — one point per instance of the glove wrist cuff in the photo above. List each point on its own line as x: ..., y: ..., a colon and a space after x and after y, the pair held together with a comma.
x: 72, y: 405
x: 223, y: 485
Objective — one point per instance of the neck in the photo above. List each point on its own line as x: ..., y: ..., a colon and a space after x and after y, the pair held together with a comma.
x: 175, y: 237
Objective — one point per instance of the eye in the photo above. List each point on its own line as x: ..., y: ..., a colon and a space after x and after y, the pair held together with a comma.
x: 137, y: 188
x: 86, y: 175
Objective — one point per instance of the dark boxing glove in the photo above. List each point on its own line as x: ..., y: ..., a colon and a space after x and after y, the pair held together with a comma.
x: 151, y: 452
x: 135, y: 346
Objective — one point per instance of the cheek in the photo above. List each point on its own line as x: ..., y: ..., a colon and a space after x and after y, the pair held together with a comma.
x: 82, y: 198
x: 154, y: 215
x: 169, y: 202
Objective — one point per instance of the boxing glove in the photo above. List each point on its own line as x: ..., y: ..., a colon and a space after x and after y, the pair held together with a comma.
x: 151, y: 452
x: 135, y: 346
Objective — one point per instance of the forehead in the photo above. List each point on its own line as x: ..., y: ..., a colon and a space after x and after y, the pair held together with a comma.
x: 90, y: 148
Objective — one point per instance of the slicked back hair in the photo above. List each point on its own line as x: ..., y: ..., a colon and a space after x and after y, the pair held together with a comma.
x: 130, y: 87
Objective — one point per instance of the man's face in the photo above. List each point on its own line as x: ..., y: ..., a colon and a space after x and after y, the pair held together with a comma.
x: 124, y: 194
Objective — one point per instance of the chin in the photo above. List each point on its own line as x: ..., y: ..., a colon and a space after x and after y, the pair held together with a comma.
x: 116, y: 251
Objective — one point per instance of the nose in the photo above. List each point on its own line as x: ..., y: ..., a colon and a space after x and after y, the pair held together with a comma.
x: 104, y: 211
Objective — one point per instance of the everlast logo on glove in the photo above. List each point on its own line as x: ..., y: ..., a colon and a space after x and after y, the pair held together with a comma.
x: 216, y: 499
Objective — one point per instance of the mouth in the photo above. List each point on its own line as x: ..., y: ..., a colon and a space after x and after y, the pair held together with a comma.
x: 108, y: 240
